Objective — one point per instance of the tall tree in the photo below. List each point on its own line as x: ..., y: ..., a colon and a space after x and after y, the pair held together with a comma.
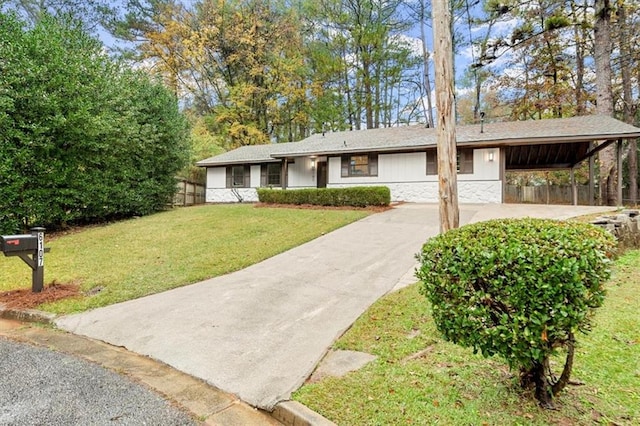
x: 604, y: 96
x: 375, y: 62
x: 629, y: 107
x: 242, y: 61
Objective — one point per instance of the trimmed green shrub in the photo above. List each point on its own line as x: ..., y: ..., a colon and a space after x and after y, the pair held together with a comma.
x: 362, y: 196
x: 518, y: 288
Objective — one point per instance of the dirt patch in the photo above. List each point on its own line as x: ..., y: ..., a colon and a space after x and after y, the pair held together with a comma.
x: 25, y: 299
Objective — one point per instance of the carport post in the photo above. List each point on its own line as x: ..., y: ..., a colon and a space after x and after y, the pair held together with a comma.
x: 574, y: 187
x: 592, y: 191
x: 619, y: 155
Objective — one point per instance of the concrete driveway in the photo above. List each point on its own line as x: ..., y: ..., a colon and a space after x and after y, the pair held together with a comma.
x: 259, y: 332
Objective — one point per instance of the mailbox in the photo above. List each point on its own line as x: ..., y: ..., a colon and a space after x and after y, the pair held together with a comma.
x: 30, y: 248
x: 14, y: 244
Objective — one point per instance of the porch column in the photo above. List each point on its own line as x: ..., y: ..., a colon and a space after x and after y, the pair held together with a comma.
x: 574, y: 187
x: 619, y: 155
x: 503, y: 171
x: 285, y: 173
x: 592, y: 187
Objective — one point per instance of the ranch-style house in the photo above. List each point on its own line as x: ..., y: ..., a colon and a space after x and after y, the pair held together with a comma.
x: 404, y: 159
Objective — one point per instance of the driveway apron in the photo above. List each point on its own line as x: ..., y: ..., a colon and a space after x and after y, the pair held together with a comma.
x: 259, y: 332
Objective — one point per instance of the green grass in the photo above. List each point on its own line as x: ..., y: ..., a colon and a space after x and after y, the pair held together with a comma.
x: 450, y: 385
x: 143, y: 256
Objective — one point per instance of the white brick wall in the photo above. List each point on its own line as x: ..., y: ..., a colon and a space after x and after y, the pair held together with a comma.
x: 427, y: 192
x: 225, y: 195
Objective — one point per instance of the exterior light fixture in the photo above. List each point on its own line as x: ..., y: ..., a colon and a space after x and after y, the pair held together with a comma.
x: 313, y: 163
x: 490, y: 155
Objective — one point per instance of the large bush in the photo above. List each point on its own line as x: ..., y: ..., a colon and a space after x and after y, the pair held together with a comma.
x: 520, y: 289
x: 362, y: 196
x: 82, y: 137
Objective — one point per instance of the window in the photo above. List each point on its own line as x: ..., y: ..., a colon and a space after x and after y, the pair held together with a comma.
x: 359, y: 165
x: 464, y: 159
x: 271, y: 174
x: 238, y: 176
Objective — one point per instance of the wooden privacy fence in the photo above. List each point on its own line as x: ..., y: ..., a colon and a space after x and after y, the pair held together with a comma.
x: 553, y: 194
x: 545, y: 194
x: 189, y: 193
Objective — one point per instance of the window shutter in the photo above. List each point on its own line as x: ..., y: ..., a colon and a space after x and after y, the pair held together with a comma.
x: 432, y: 162
x: 229, y: 183
x: 247, y: 176
x: 467, y: 161
x: 263, y: 174
x: 373, y: 164
x: 345, y: 166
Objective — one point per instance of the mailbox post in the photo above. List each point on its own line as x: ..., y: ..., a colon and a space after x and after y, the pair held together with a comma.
x: 24, y: 245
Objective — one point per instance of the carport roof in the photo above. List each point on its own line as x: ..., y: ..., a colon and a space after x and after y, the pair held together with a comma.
x: 568, y: 140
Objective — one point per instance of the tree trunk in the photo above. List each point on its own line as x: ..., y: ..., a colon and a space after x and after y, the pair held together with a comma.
x: 537, y: 379
x: 604, y: 102
x: 568, y: 367
x: 579, y: 34
x: 633, y: 172
x: 541, y: 378
x: 627, y: 112
x: 446, y: 125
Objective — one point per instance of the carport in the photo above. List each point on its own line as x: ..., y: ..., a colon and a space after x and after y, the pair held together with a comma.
x: 564, y: 156
x: 561, y: 144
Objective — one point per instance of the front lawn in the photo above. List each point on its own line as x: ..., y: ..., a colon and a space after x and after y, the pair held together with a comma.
x: 420, y: 379
x: 137, y: 257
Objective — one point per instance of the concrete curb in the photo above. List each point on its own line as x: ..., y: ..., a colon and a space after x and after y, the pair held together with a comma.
x: 292, y: 413
x: 289, y: 413
x: 26, y: 315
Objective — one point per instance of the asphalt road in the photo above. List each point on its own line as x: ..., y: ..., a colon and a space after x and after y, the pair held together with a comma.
x: 39, y: 386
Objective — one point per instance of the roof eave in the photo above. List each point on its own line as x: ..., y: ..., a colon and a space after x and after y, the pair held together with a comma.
x: 235, y: 162
x: 547, y: 140
x: 479, y: 143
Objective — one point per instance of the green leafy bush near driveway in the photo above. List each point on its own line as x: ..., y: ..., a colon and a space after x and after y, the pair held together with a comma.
x: 363, y: 196
x: 84, y: 138
x: 518, y: 288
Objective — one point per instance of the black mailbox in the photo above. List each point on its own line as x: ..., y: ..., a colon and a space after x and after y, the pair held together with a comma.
x: 13, y: 244
x: 30, y: 248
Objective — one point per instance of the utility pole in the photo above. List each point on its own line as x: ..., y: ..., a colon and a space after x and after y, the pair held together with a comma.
x: 446, y: 120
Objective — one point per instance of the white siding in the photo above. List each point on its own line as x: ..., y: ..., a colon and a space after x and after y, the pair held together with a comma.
x: 483, y: 169
x: 216, y: 177
x: 255, y: 176
x: 301, y: 175
x: 404, y: 174
x: 217, y: 191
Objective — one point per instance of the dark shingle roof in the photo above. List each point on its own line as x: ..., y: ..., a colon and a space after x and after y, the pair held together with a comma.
x: 576, y: 129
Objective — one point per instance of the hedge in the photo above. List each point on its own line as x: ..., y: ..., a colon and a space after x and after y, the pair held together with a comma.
x: 362, y: 196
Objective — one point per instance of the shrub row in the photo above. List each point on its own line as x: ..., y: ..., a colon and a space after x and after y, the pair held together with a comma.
x: 362, y: 196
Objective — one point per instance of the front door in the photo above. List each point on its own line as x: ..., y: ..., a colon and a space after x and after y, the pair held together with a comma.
x: 322, y: 174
